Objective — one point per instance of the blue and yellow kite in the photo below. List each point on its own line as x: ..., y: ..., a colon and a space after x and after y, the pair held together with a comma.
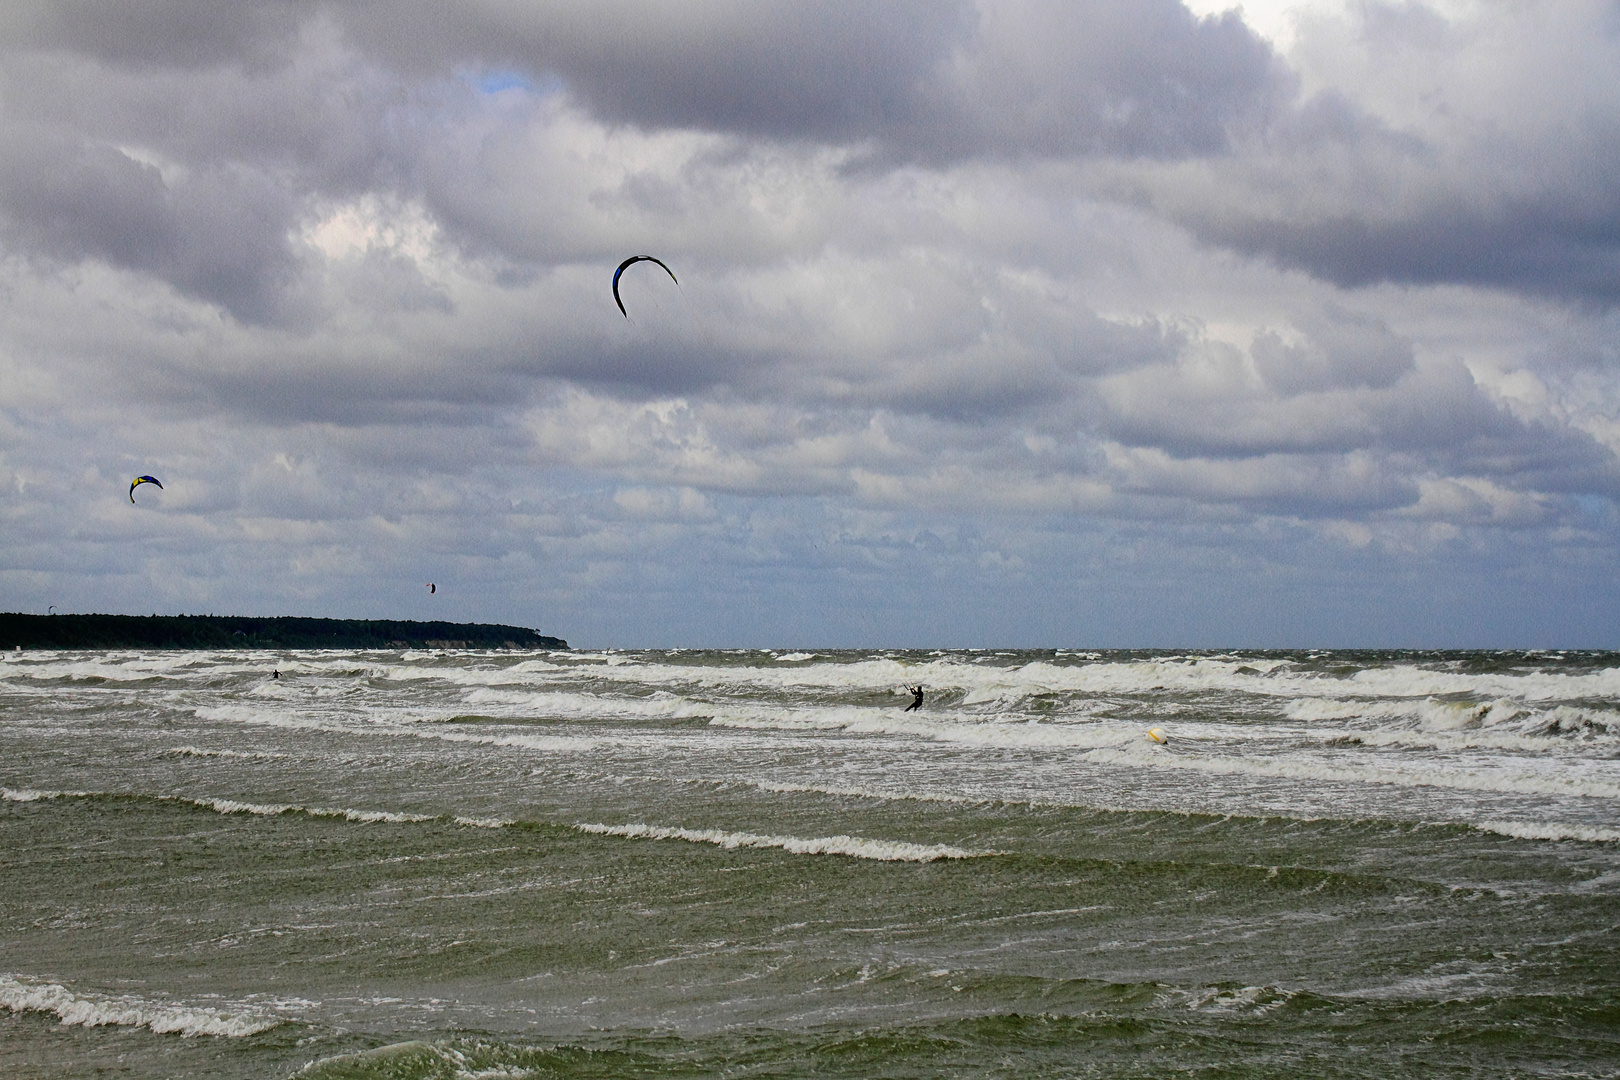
x: 139, y: 480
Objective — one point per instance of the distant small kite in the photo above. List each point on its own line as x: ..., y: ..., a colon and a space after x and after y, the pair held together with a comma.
x: 635, y: 259
x: 139, y: 480
x: 432, y: 588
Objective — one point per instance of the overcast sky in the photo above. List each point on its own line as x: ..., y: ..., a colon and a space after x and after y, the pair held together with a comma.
x: 1067, y: 323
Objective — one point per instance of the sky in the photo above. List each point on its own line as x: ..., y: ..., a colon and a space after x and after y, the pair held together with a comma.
x: 1011, y: 323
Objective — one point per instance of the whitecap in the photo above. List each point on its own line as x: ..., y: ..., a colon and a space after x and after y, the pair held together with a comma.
x: 34, y: 795
x: 364, y: 817
x: 20, y: 994
x: 853, y: 846
x: 200, y: 752
x: 485, y: 823
x: 225, y: 806
x: 1550, y: 830
x: 1257, y: 1000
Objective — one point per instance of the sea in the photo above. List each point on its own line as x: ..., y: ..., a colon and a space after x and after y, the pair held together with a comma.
x: 757, y: 864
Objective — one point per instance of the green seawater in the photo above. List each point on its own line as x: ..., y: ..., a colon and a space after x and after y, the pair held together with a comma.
x: 755, y: 865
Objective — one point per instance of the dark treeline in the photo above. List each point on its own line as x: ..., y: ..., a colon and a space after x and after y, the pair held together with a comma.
x: 242, y: 632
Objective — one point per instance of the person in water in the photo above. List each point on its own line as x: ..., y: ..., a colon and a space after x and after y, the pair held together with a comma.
x: 916, y: 697
x: 275, y: 674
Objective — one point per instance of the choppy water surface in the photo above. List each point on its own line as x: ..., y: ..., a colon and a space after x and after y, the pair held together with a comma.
x: 754, y: 864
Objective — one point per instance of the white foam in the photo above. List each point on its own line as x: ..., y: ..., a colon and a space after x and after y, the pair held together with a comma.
x: 33, y: 795
x: 20, y: 994
x: 237, y: 714
x: 977, y: 681
x: 1524, y: 780
x: 485, y: 823
x: 508, y: 702
x: 853, y: 846
x: 226, y: 806
x: 1472, y: 981
x: 866, y: 793
x: 988, y: 683
x: 972, y: 730
x: 1550, y: 830
x: 230, y: 806
x: 1508, y: 738
x: 1525, y: 830
x: 389, y: 1058
x: 1498, y: 724
x: 197, y: 751
x: 1246, y: 999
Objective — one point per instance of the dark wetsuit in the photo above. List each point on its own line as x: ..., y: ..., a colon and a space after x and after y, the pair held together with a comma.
x: 916, y: 698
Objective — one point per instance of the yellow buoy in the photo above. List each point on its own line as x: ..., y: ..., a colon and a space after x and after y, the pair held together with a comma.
x: 1158, y: 735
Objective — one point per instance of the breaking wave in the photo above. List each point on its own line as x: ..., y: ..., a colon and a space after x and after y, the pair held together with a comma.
x: 200, y: 752
x: 234, y: 806
x: 852, y: 846
x: 1550, y: 830
x: 20, y: 994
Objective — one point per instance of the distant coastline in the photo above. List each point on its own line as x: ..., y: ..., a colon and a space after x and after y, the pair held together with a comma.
x: 243, y: 632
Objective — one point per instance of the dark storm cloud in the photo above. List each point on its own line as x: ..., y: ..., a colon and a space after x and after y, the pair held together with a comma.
x: 191, y: 151
x: 219, y: 235
x: 156, y: 33
x: 232, y: 87
x: 199, y: 178
x: 1565, y: 250
x: 916, y: 79
x: 1476, y: 149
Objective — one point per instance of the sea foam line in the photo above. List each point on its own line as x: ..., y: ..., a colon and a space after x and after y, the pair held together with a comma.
x: 883, y: 796
x: 95, y: 1010
x: 232, y: 806
x: 1408, y: 774
x: 853, y: 846
x: 409, y: 730
x: 1522, y: 830
x: 33, y: 795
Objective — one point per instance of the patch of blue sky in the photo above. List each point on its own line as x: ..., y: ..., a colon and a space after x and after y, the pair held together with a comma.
x: 1595, y: 505
x: 501, y: 80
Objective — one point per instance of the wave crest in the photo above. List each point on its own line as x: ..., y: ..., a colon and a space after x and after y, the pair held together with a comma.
x: 96, y: 1010
x: 852, y: 846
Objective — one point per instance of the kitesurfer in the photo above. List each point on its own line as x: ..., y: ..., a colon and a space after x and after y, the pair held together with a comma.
x: 139, y: 480
x: 916, y: 697
x: 635, y: 259
x: 275, y: 674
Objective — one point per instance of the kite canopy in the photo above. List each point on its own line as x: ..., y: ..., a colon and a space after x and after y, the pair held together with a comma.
x: 139, y: 480
x: 635, y: 259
